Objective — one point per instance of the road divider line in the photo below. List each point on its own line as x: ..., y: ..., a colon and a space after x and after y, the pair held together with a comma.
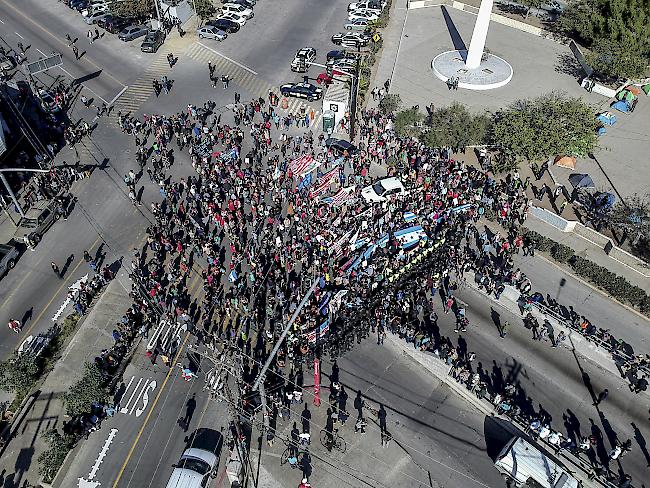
x: 19, y: 35
x: 229, y: 59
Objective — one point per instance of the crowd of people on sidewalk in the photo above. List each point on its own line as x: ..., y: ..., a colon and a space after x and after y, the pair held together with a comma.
x: 262, y: 227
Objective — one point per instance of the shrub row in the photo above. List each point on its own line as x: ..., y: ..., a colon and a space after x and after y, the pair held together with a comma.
x: 616, y: 286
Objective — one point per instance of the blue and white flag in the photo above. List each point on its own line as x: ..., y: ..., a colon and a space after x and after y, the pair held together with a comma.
x: 232, y: 277
x: 409, y: 216
x: 305, y: 183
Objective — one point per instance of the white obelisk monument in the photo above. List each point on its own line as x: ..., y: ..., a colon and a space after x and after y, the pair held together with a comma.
x: 474, y: 69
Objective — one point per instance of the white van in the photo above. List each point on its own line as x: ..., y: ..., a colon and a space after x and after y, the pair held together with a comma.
x: 525, y: 464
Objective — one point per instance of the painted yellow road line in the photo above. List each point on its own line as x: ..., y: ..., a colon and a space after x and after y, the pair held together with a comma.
x: 153, y: 406
x: 40, y: 315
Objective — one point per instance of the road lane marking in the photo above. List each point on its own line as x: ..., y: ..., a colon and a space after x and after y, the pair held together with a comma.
x: 86, y: 58
x: 226, y: 57
x: 126, y: 87
x: 2, y: 21
x: 145, y: 397
x: 125, y: 408
x: 74, y: 287
x: 146, y: 420
x: 19, y: 35
x: 89, y: 483
x: 56, y: 293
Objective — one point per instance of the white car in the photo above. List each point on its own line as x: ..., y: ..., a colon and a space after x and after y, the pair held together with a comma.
x: 95, y: 9
x: 357, y: 24
x: 306, y: 54
x: 236, y: 18
x: 211, y: 32
x: 194, y: 469
x: 48, y: 104
x: 367, y: 4
x: 383, y: 189
x: 95, y: 17
x: 363, y: 14
x: 237, y: 9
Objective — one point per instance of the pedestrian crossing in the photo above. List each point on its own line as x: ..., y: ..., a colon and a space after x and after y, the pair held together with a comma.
x: 256, y: 86
x: 141, y: 89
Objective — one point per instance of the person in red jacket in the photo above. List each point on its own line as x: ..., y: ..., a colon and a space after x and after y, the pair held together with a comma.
x: 304, y: 484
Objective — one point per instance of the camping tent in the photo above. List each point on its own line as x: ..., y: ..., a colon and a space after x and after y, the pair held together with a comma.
x: 635, y: 90
x: 621, y: 106
x: 646, y: 88
x: 625, y: 95
x: 581, y: 180
x: 565, y: 162
x: 606, y: 118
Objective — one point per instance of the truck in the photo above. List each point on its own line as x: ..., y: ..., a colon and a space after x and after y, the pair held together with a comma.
x: 8, y: 257
x: 527, y: 465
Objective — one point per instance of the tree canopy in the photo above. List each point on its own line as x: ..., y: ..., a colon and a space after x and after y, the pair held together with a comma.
x: 456, y: 127
x: 611, y: 29
x: 204, y: 8
x: 90, y: 388
x: 553, y: 124
x: 134, y: 8
x: 408, y: 122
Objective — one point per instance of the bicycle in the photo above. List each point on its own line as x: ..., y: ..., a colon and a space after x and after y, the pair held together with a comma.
x: 332, y: 440
x: 288, y: 458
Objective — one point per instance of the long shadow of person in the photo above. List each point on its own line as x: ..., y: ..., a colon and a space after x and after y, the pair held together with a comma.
x: 640, y: 440
x: 190, y: 408
x: 66, y: 265
x: 27, y: 316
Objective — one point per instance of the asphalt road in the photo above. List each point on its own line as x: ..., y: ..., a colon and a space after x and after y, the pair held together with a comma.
x: 436, y: 425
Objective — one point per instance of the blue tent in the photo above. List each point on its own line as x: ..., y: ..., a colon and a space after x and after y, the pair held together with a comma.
x: 621, y: 106
x: 606, y: 118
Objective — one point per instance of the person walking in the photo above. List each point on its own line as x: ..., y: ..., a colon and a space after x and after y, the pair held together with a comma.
x: 601, y: 397
x: 56, y: 269
x: 503, y: 329
x: 15, y: 325
x: 90, y: 36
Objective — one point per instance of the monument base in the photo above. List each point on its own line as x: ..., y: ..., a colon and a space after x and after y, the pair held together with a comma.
x: 493, y: 71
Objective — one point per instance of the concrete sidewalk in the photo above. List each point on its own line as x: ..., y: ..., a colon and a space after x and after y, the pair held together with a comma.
x: 45, y: 408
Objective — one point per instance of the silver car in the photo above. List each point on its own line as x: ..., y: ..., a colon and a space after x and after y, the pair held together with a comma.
x: 133, y: 32
x: 211, y: 32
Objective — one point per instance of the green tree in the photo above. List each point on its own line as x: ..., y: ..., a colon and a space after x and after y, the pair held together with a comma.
x: 536, y: 129
x: 51, y: 460
x: 632, y: 216
x: 454, y: 126
x: 90, y: 388
x: 134, y: 8
x: 611, y: 27
x: 204, y: 8
x: 18, y: 373
x: 408, y: 123
x: 390, y: 104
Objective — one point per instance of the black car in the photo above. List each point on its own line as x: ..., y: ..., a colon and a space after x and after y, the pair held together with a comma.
x: 351, y: 39
x: 340, y: 145
x: 104, y: 22
x: 116, y: 24
x: 301, y: 90
x: 340, y: 54
x: 152, y: 41
x: 78, y: 4
x: 224, y: 24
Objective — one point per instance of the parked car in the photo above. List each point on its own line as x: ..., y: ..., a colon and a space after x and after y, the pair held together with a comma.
x: 9, y: 254
x: 327, y: 79
x: 225, y: 25
x: 348, y: 65
x: 47, y: 102
x: 245, y: 3
x: 152, y: 41
x: 340, y: 54
x: 233, y: 17
x: 198, y: 463
x: 383, y: 189
x: 6, y: 64
x: 211, y: 32
x: 116, y: 24
x: 340, y: 145
x: 301, y: 90
x: 237, y: 9
x: 363, y: 14
x: 133, y: 32
x: 95, y: 16
x: 367, y: 4
x: 357, y: 24
x: 351, y: 39
x: 302, y: 59
x: 37, y: 221
x: 78, y: 4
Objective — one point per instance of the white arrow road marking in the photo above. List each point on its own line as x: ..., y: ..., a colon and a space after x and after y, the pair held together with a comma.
x: 74, y: 287
x: 125, y: 408
x: 145, y: 397
x: 88, y: 484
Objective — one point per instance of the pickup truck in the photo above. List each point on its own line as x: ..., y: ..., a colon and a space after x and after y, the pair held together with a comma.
x: 8, y: 256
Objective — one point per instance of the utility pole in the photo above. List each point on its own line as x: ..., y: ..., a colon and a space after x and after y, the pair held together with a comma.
x: 276, y: 348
